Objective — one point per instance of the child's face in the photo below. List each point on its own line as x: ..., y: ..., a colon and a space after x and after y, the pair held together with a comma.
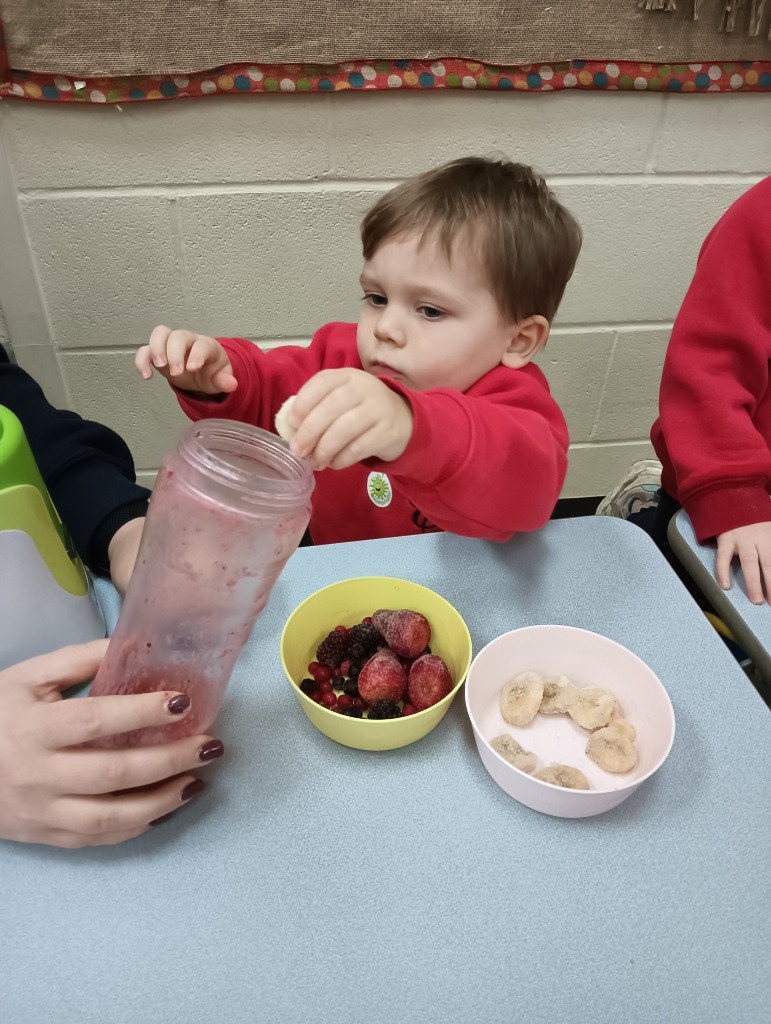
x: 428, y: 322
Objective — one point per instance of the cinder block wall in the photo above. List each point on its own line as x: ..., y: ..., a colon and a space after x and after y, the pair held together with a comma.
x: 239, y: 216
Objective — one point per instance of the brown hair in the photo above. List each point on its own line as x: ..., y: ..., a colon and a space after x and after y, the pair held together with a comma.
x: 528, y: 241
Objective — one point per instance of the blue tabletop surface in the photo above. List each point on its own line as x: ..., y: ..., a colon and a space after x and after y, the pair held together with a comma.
x: 313, y: 882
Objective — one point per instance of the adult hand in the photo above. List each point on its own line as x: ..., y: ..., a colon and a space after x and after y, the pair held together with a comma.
x: 343, y: 416
x: 122, y: 552
x: 191, y: 362
x: 53, y: 790
x: 753, y: 546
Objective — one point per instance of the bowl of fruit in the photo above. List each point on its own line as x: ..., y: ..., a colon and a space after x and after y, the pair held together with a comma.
x: 375, y: 662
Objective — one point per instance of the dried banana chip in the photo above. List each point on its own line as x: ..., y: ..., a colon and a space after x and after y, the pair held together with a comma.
x: 612, y: 749
x: 593, y: 707
x: 558, y: 696
x: 521, y: 698
x: 563, y: 775
x: 283, y: 428
x: 511, y: 751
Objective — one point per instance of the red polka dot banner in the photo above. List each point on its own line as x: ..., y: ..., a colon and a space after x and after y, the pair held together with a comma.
x: 393, y: 75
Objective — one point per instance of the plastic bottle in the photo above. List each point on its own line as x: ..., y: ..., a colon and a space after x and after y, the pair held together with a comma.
x: 229, y: 507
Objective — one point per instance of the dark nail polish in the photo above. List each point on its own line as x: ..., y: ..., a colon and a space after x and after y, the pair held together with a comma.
x: 191, y: 789
x: 178, y: 704
x: 163, y: 817
x: 210, y: 750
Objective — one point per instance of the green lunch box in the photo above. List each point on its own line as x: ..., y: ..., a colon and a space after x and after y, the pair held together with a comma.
x: 46, y: 600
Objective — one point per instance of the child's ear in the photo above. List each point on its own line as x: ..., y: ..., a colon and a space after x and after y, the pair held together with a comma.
x: 528, y: 337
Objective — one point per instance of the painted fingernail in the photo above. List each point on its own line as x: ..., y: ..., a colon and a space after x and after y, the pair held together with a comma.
x: 163, y: 817
x: 191, y: 789
x: 178, y: 704
x: 210, y: 750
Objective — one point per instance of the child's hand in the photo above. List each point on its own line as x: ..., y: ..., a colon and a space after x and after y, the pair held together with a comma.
x: 343, y: 416
x: 191, y: 362
x: 753, y: 546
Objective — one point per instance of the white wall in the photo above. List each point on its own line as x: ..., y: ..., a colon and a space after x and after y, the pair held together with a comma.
x: 239, y: 215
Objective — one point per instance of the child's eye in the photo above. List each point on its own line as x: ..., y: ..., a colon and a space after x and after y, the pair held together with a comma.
x: 375, y: 300
x: 431, y: 312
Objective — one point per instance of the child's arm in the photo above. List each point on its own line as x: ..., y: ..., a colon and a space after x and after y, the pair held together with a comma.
x: 713, y: 432
x: 488, y: 463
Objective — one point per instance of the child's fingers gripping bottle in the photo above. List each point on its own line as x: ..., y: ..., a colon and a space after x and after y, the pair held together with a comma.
x: 229, y: 507
x: 45, y: 598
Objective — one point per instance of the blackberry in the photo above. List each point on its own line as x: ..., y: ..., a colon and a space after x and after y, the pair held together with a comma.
x: 309, y: 686
x: 367, y: 636
x: 333, y: 649
x: 351, y: 687
x: 385, y: 709
x: 352, y: 712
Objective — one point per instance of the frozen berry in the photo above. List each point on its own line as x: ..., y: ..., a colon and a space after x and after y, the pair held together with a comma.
x: 333, y: 649
x: 351, y: 687
x: 352, y: 712
x: 358, y: 702
x: 338, y: 682
x: 344, y: 701
x: 326, y: 686
x: 406, y: 632
x: 429, y: 682
x: 367, y: 636
x: 309, y: 686
x: 328, y: 700
x: 345, y: 667
x: 322, y: 674
x: 356, y: 651
x: 385, y: 709
x: 353, y: 671
x: 408, y: 709
x: 382, y: 678
x: 342, y: 629
x: 312, y: 668
x: 316, y: 696
x: 367, y: 618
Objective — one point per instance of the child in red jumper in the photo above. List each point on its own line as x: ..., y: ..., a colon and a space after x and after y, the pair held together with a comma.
x: 429, y: 413
x: 713, y: 435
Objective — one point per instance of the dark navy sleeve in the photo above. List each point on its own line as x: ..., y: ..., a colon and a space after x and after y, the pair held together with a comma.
x: 87, y: 467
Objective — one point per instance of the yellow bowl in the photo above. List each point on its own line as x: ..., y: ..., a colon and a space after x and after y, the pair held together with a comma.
x: 347, y: 603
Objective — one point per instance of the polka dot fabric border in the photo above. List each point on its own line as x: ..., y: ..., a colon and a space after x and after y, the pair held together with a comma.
x: 393, y: 75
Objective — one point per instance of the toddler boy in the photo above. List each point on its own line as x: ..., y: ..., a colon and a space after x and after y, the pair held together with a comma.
x: 429, y: 414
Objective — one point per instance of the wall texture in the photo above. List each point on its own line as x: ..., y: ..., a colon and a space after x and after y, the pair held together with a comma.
x: 240, y: 216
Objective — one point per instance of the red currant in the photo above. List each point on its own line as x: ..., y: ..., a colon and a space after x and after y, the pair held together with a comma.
x: 342, y: 629
x: 316, y: 696
x: 325, y: 686
x: 328, y: 699
x: 367, y: 619
x: 312, y: 668
x: 408, y: 709
x: 359, y: 702
x: 322, y: 674
x: 344, y: 701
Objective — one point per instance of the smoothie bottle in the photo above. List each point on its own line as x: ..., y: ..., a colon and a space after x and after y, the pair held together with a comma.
x: 229, y: 507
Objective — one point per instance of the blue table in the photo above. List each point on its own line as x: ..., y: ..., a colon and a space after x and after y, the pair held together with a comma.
x: 313, y: 882
x: 750, y: 623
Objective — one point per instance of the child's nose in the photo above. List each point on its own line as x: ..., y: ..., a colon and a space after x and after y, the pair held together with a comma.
x: 390, y: 327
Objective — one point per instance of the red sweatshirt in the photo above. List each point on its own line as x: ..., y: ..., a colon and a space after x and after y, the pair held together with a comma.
x: 486, y: 463
x: 713, y: 434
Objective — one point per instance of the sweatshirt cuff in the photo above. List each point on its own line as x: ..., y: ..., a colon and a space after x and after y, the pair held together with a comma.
x: 727, y: 507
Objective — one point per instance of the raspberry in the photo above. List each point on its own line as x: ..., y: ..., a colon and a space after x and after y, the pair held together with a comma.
x: 333, y: 648
x: 385, y: 709
x: 309, y: 686
x: 366, y: 636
